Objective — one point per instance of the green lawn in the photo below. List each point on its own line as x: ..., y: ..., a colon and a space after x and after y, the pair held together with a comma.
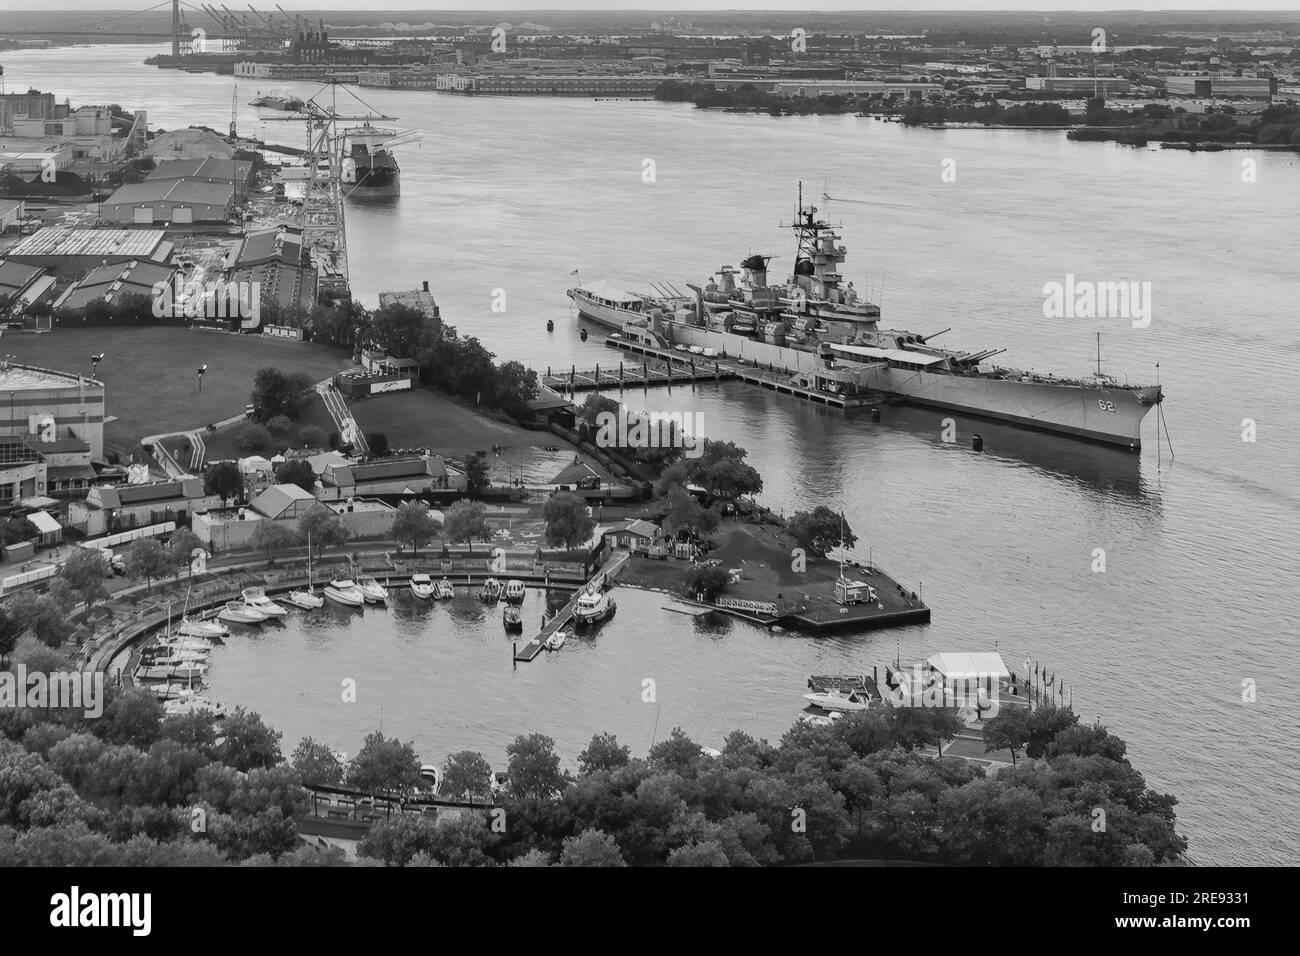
x: 150, y: 372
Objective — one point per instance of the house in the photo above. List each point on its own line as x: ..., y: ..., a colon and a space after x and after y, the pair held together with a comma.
x: 412, y: 475
x: 637, y: 535
x: 24, y: 284
x: 285, y: 505
x: 114, y: 508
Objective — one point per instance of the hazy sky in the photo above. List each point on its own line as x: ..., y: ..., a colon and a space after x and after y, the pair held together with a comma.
x: 398, y: 6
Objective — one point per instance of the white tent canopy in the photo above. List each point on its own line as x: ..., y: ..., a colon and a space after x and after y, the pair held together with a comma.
x: 969, y: 665
x: 611, y: 291
x: 45, y: 524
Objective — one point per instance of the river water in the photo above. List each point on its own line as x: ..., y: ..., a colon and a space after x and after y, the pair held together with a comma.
x: 1199, y: 589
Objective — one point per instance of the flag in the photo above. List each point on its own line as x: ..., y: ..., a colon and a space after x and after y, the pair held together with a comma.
x: 574, y: 272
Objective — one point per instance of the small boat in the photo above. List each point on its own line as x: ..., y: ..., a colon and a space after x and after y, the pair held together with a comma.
x: 238, y: 612
x: 345, y: 592
x: 372, y: 591
x: 173, y: 691
x: 192, y: 627
x: 187, y: 670
x: 512, y: 618
x: 193, y: 704
x: 304, y: 599
x: 422, y: 586
x: 593, y: 607
x: 444, y: 590
x: 515, y: 592
x: 556, y: 640
x: 185, y: 643
x: 491, y: 591
x: 836, y: 700
x: 167, y: 654
x: 256, y: 597
x: 711, y: 752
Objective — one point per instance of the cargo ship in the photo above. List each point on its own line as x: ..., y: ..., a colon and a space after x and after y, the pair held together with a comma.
x: 369, y: 167
x: 821, y: 329
x: 275, y: 101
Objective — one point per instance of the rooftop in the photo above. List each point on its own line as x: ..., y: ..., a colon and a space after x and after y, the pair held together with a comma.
x: 14, y: 377
x: 68, y: 241
x: 173, y: 190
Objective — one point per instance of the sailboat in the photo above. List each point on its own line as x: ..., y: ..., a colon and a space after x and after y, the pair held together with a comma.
x: 305, y: 599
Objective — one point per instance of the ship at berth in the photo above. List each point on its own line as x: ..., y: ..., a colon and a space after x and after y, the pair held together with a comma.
x: 820, y: 328
x: 370, y: 167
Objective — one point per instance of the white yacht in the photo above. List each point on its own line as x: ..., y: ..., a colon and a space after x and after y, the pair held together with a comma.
x: 372, y: 591
x: 239, y: 612
x: 304, y: 599
x: 422, y: 586
x: 345, y: 592
x: 181, y: 671
x: 193, y: 627
x: 178, y: 706
x: 256, y: 597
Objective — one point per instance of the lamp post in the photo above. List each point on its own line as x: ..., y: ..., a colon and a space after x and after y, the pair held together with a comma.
x: 94, y: 364
x: 201, y: 370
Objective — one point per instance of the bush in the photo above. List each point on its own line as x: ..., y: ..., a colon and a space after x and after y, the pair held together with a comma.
x: 279, y: 424
x: 313, y: 437
x: 254, y: 438
x: 378, y: 443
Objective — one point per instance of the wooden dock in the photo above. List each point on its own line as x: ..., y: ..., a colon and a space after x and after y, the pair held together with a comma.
x: 562, y: 617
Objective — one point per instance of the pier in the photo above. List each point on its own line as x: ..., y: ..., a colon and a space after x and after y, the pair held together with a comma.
x: 562, y: 617
x: 623, y: 375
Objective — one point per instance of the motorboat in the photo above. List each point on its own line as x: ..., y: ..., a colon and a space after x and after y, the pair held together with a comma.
x: 818, y: 720
x: 256, y: 597
x: 170, y: 654
x: 593, y: 607
x: 491, y: 591
x: 422, y: 586
x: 556, y: 640
x: 193, y: 627
x: 173, y: 690
x: 304, y: 599
x: 444, y: 590
x: 372, y: 591
x: 711, y: 752
x: 185, y: 670
x: 345, y: 592
x: 512, y: 618
x: 239, y: 612
x: 515, y: 592
x: 185, y: 643
x: 194, y: 704
x: 836, y: 700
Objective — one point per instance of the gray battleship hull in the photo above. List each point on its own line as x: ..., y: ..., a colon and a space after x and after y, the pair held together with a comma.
x: 1093, y: 412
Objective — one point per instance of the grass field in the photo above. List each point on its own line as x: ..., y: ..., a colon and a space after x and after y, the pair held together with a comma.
x: 150, y: 372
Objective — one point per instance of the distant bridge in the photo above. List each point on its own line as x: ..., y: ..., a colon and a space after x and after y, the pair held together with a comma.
x: 216, y: 26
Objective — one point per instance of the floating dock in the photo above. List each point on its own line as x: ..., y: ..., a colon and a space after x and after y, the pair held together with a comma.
x: 562, y: 617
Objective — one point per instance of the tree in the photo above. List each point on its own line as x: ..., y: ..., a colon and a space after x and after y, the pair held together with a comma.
x: 314, y: 762
x: 915, y: 727
x: 591, y: 848
x: 534, y: 769
x: 279, y: 393
x: 1007, y: 731
x: 247, y: 742
x: 567, y: 521
x: 415, y: 524
x: 223, y: 480
x: 516, y: 387
x: 819, y: 530
x: 466, y: 521
x: 86, y: 570
x: 706, y: 580
x: 50, y: 625
x: 296, y: 471
x: 279, y: 424
x: 720, y: 470
x: 384, y: 764
x: 466, y: 773
x: 146, y: 560
x: 477, y: 479
x: 322, y: 527
x: 378, y: 443
x: 400, y: 330
x: 708, y: 853
x: 312, y: 436
x: 273, y: 538
x: 180, y: 550
x: 685, y: 514
x: 603, y: 753
x: 255, y: 439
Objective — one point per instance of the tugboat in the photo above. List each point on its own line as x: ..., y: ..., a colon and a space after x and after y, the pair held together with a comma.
x: 515, y: 592
x: 491, y: 591
x: 593, y: 606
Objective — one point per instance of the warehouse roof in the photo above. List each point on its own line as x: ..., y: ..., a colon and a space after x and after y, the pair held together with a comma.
x: 209, y: 167
x: 173, y: 190
x: 67, y: 241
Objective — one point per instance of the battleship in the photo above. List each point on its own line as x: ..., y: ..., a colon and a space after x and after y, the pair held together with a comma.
x: 821, y: 329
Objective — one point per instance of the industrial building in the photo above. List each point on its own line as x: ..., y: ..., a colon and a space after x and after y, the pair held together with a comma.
x: 39, y: 406
x: 209, y: 169
x: 1086, y: 85
x: 1221, y: 87
x: 170, y: 201
x: 24, y: 285
x: 112, y: 283
x: 69, y: 253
